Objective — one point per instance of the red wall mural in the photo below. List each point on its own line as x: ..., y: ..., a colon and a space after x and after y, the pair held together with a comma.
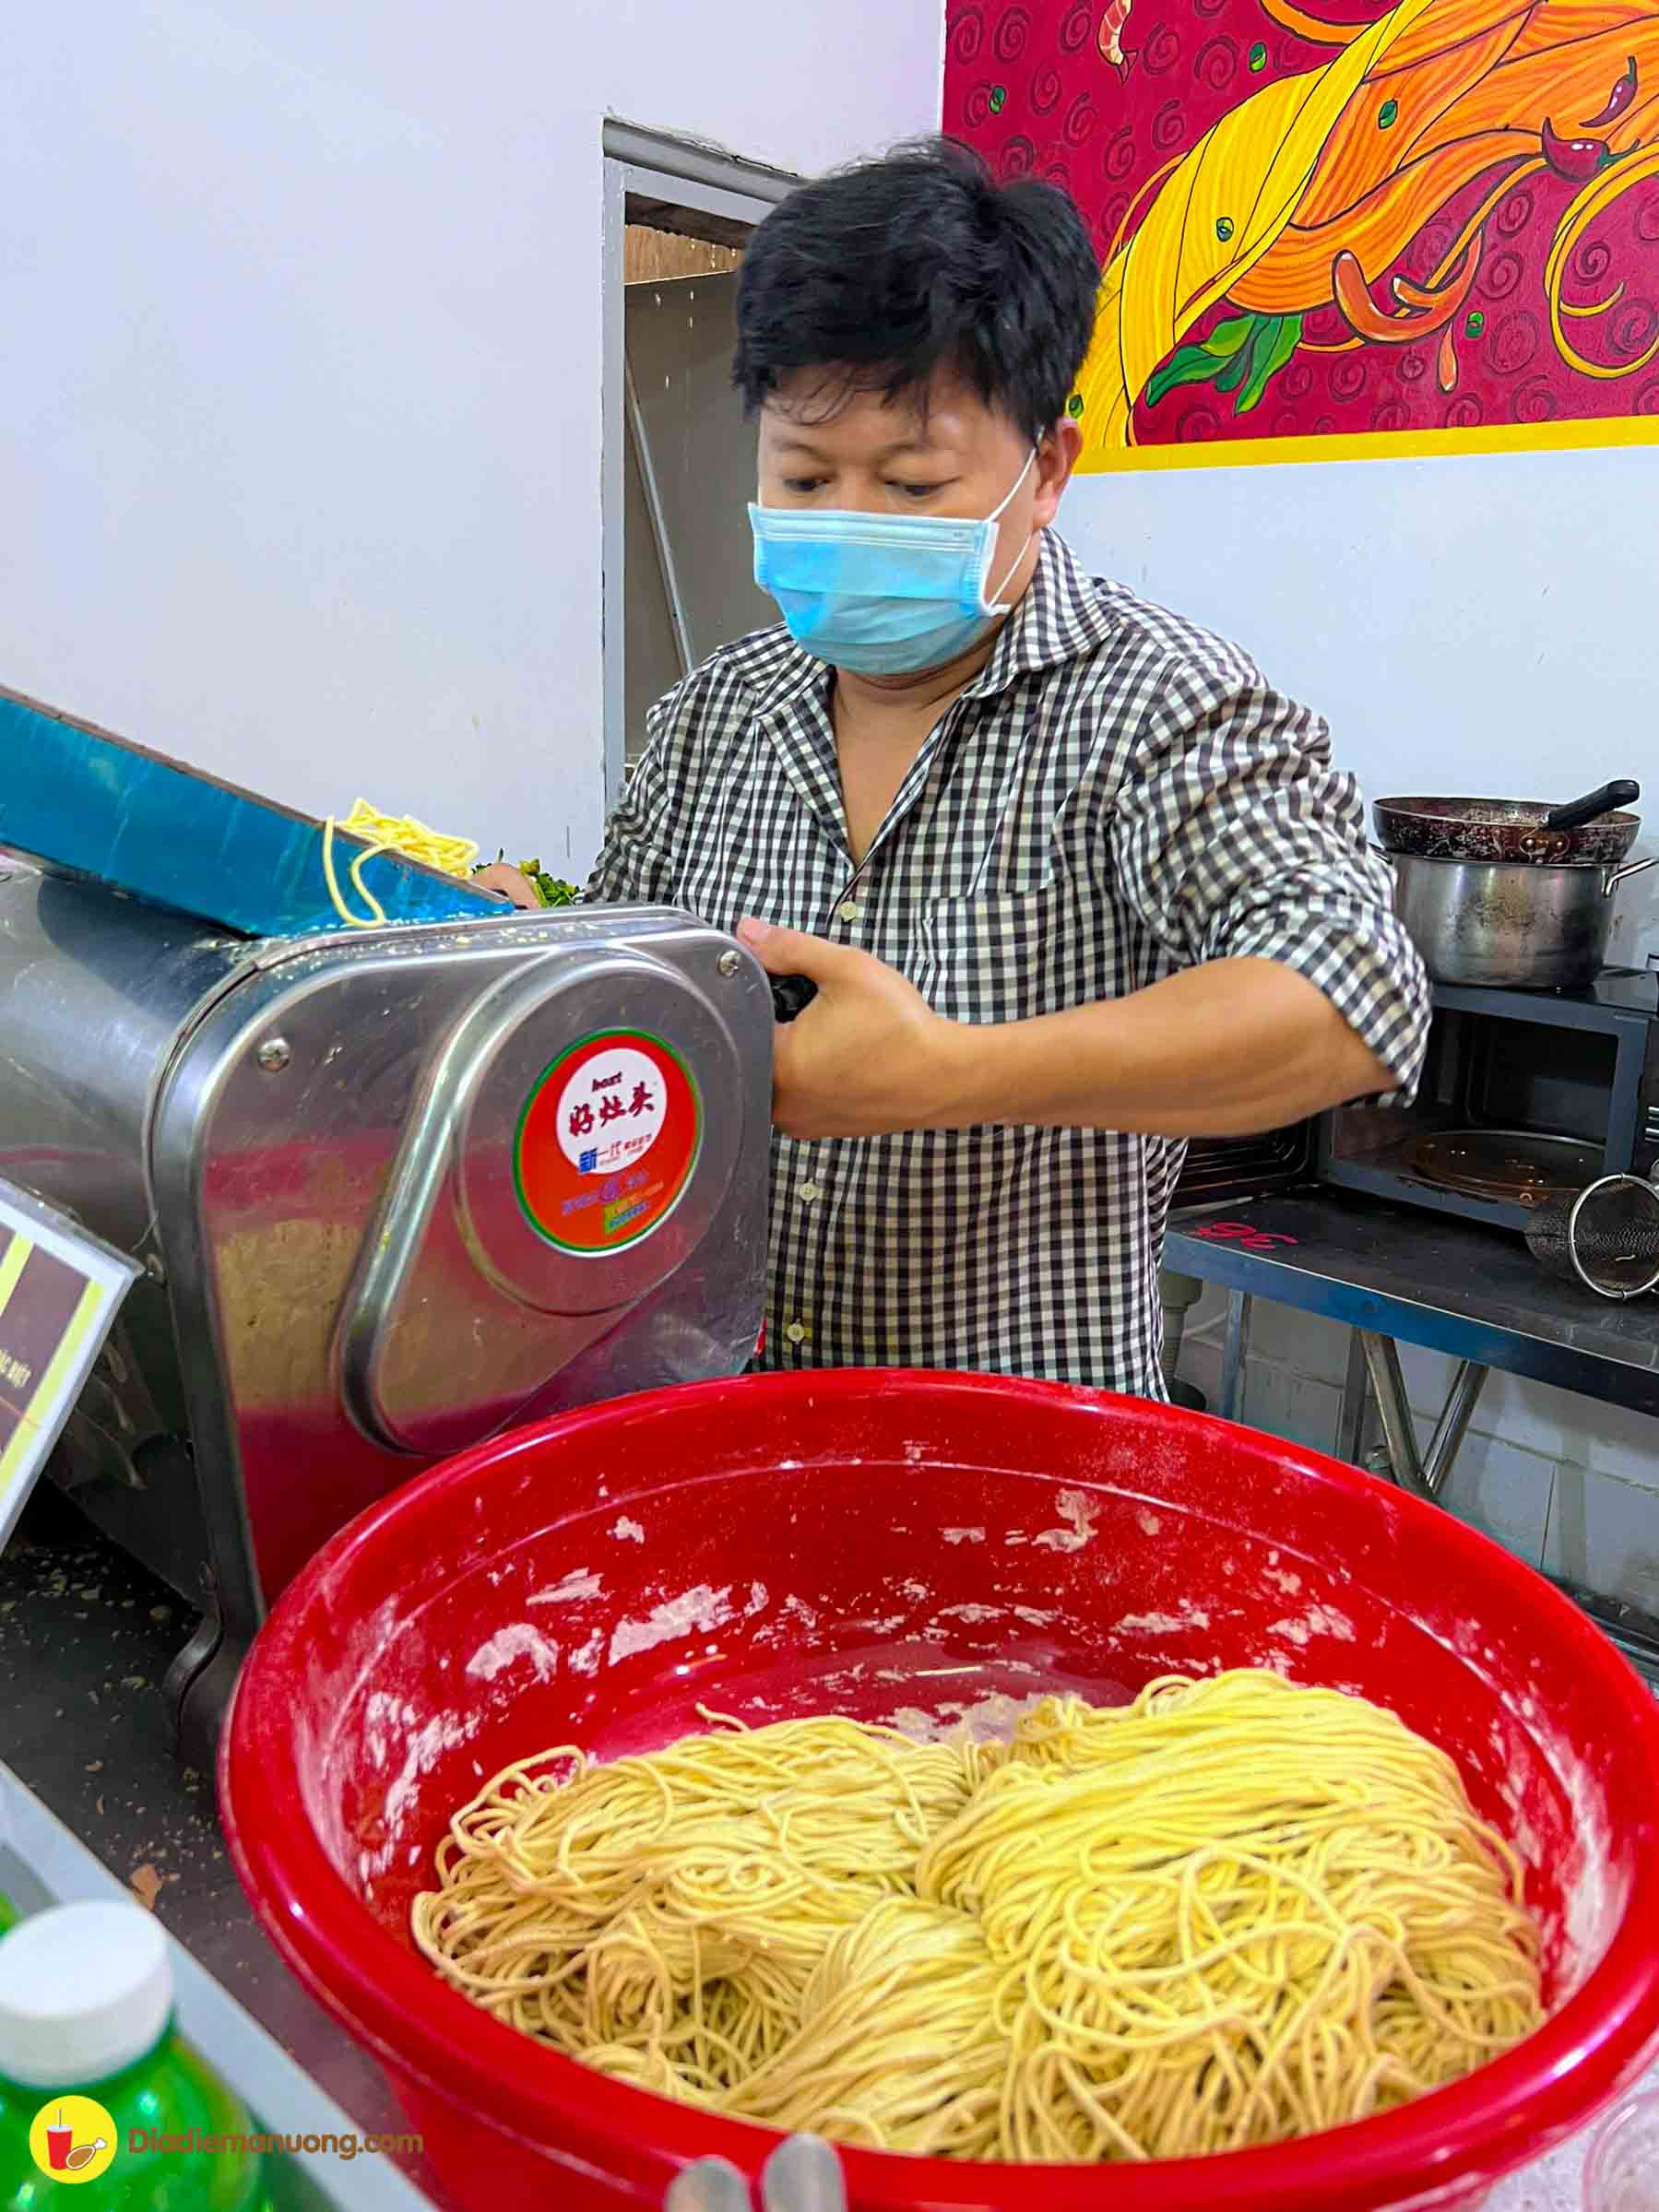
x: 1356, y: 228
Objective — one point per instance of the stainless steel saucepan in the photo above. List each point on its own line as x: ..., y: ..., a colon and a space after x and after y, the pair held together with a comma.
x: 1515, y: 923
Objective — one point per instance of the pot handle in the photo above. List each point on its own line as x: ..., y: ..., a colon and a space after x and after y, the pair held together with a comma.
x: 1593, y: 806
x: 1613, y: 877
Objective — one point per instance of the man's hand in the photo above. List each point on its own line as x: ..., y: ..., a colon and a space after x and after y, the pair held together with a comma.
x: 503, y: 876
x: 868, y: 1057
x: 1227, y: 1049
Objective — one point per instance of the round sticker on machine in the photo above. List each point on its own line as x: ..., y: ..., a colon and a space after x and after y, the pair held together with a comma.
x: 607, y: 1142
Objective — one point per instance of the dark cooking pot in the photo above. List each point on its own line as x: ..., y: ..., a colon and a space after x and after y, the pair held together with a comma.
x: 1511, y: 829
x: 1513, y: 922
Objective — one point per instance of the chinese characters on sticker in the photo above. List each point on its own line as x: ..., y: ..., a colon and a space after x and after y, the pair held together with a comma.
x: 608, y: 1143
x: 612, y: 1112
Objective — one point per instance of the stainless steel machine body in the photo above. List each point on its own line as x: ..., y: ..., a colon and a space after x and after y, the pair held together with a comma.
x: 393, y: 1190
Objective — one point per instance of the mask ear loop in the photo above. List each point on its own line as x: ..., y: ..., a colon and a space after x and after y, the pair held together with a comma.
x: 993, y: 604
x: 975, y: 888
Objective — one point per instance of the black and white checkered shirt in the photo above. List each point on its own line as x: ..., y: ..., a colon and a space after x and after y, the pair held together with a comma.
x: 1115, y: 796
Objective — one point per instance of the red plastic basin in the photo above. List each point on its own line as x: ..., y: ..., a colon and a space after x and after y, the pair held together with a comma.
x: 869, y: 1543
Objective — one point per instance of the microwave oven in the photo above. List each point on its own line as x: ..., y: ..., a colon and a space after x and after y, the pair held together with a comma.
x: 1523, y: 1093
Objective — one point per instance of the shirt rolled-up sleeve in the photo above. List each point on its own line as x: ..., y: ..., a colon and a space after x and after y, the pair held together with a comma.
x: 1234, y: 838
x: 636, y: 867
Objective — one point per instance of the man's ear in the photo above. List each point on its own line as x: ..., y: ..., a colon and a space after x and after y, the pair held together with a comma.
x: 1056, y: 459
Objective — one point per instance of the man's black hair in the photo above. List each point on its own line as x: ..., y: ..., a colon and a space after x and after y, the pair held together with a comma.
x: 880, y: 273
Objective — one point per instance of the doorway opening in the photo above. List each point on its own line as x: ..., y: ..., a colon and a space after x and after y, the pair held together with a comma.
x: 679, y: 459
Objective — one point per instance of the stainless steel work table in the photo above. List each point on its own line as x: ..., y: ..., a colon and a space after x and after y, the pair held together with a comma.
x: 1395, y: 1275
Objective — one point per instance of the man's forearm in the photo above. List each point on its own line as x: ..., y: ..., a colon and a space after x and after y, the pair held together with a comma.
x: 1222, y: 1050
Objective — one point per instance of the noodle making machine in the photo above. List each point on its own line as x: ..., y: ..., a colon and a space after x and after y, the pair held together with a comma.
x: 394, y: 1188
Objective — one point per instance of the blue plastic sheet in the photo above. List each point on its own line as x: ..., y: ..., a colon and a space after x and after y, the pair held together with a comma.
x: 76, y: 797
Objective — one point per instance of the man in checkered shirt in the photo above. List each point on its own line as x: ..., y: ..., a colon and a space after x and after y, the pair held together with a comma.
x: 1073, y: 881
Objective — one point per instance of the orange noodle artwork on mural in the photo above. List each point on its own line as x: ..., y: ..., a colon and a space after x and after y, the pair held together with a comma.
x: 1109, y: 36
x: 1301, y: 200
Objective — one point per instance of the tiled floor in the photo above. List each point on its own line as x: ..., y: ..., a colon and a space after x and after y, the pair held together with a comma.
x: 1567, y: 1484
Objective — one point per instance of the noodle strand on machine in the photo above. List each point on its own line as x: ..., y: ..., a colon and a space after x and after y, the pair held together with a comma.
x: 1231, y: 1913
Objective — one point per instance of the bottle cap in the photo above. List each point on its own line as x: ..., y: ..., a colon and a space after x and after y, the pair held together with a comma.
x: 85, y: 1991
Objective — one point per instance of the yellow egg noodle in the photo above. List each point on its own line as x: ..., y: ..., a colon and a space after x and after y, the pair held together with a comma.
x: 1234, y: 1911
x: 388, y: 833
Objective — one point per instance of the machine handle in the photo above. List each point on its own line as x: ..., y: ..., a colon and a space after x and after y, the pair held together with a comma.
x: 792, y: 995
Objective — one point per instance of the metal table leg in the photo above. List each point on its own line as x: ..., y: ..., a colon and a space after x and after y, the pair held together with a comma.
x: 1235, y: 1352
x: 1355, y: 1404
x: 1424, y: 1472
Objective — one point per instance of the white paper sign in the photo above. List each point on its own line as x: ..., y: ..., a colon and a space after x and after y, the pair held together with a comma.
x: 60, y: 1290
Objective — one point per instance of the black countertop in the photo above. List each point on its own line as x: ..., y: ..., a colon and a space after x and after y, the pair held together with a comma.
x: 86, y: 1638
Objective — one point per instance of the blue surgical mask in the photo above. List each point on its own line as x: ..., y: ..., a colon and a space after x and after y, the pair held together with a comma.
x: 884, y: 595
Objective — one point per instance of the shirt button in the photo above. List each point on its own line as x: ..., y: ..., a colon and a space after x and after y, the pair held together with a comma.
x: 809, y: 1191
x: 796, y: 1332
x: 849, y: 910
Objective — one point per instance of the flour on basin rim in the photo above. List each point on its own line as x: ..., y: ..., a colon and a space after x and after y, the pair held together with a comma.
x: 628, y: 1532
x: 443, y: 1732
x: 1165, y: 1624
x: 578, y: 1584
x: 522, y: 1639
x: 383, y: 1713
x: 973, y: 1615
x: 1319, y: 1620
x: 425, y: 1747
x: 703, y: 1609
x: 1078, y: 1511
x: 1595, y: 1889
x: 963, y: 1536
x: 793, y: 1613
x: 991, y: 1719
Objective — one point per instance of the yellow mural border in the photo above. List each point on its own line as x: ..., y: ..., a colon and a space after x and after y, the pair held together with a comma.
x: 1378, y: 445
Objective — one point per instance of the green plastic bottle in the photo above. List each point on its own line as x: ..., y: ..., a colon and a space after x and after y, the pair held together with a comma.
x: 103, y: 2108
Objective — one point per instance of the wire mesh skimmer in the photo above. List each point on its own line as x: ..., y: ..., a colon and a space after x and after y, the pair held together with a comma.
x: 1605, y: 1236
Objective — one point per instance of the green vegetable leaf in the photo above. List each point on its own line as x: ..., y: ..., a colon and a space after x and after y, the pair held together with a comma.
x: 1233, y: 372
x: 1226, y: 338
x: 1277, y: 340
x: 552, y: 890
x: 1188, y: 364
x: 1199, y: 363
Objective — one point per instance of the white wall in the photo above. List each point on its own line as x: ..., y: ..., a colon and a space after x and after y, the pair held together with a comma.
x: 1481, y: 624
x: 300, y: 384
